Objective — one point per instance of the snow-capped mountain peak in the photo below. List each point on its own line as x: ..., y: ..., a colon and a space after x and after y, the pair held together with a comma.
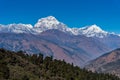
x: 93, y: 31
x: 94, y: 28
x: 47, y: 22
x: 16, y: 28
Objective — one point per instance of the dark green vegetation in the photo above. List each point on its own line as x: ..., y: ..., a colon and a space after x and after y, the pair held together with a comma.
x: 20, y: 66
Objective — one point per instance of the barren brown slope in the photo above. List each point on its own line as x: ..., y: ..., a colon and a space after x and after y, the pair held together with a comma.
x: 108, y: 63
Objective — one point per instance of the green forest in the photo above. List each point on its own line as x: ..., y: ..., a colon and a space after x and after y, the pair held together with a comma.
x: 21, y: 66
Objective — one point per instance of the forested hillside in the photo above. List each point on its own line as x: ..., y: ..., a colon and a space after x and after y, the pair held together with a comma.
x: 20, y: 66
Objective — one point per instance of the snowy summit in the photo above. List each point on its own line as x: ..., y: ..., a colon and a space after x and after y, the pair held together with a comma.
x: 48, y: 22
x: 93, y: 31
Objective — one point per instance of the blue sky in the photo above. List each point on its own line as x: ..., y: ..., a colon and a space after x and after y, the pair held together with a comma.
x: 74, y: 13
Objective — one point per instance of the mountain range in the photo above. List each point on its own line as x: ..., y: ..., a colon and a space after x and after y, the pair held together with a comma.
x: 53, y: 38
x: 51, y: 22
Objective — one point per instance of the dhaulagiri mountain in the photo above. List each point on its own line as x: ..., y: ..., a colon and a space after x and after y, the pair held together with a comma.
x: 51, y: 22
x: 21, y: 66
x: 54, y: 38
x: 107, y: 63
